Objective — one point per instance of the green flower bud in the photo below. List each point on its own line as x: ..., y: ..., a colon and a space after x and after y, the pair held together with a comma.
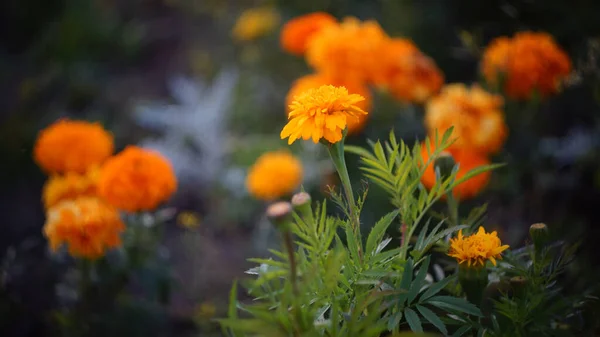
x: 539, y: 235
x: 473, y: 280
x: 444, y: 163
x: 280, y: 215
x: 302, y: 205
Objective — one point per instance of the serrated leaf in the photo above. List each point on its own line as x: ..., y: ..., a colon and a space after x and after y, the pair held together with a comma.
x: 432, y: 318
x: 454, y: 303
x: 378, y: 231
x: 436, y: 288
x: 418, y: 282
x: 413, y: 320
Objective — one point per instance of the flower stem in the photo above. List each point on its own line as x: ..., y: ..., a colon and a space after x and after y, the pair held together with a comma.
x: 336, y: 152
x: 289, y: 246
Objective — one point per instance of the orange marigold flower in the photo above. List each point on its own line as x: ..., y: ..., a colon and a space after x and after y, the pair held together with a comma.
x: 477, y: 248
x: 314, y: 81
x: 137, y: 180
x: 87, y: 225
x: 404, y: 71
x: 347, y: 49
x: 476, y: 115
x: 296, y: 33
x: 69, y: 186
x: 466, y: 160
x: 72, y: 146
x: 273, y: 175
x: 323, y: 112
x: 529, y: 61
x: 254, y: 23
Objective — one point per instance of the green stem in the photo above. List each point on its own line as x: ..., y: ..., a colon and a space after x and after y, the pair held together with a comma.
x: 336, y: 152
x: 289, y: 246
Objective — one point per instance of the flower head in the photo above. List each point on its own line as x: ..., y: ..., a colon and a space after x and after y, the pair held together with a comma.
x: 477, y: 248
x: 314, y: 81
x: 529, y: 61
x: 476, y: 115
x: 72, y: 146
x: 254, y: 23
x: 466, y: 160
x: 323, y: 112
x: 296, y: 33
x: 137, y: 180
x: 404, y: 71
x: 348, y: 49
x: 273, y: 175
x: 87, y: 225
x: 69, y: 186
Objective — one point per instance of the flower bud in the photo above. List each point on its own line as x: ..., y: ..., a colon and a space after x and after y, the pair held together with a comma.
x: 444, y: 163
x: 280, y: 215
x: 302, y: 205
x: 518, y: 285
x: 473, y: 280
x: 539, y: 235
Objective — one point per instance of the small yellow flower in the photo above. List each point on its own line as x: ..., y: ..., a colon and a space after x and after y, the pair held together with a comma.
x: 189, y: 220
x: 477, y: 248
x: 254, y: 23
x: 323, y: 112
x: 274, y: 175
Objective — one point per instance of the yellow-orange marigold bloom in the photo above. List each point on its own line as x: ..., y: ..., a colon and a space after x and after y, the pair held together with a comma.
x: 314, y: 81
x: 404, y: 71
x: 87, y: 225
x: 254, y: 23
x: 346, y: 50
x: 477, y: 248
x: 296, y: 33
x: 529, y: 61
x: 69, y: 186
x: 466, y: 160
x: 273, y: 175
x: 476, y: 115
x: 137, y: 180
x: 323, y: 112
x: 72, y: 146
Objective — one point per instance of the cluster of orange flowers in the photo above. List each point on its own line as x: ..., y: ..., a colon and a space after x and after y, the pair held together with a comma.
x: 527, y: 62
x: 356, y: 54
x: 88, y: 185
x: 477, y: 248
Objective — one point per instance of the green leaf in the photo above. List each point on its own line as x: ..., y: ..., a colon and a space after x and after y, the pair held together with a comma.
x: 476, y: 171
x: 394, y: 321
x: 413, y: 320
x: 461, y: 331
x: 432, y: 318
x: 417, y: 284
x: 357, y: 150
x: 454, y: 304
x: 378, y: 232
x: 231, y: 310
x: 436, y: 288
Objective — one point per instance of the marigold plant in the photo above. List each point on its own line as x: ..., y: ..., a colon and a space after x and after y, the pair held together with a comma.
x: 314, y: 81
x: 475, y: 114
x: 254, y: 23
x: 69, y: 186
x: 136, y: 180
x: 72, y: 146
x: 273, y: 175
x: 86, y: 225
x: 321, y: 113
x: 466, y: 160
x: 476, y: 249
x: 296, y: 33
x: 529, y: 61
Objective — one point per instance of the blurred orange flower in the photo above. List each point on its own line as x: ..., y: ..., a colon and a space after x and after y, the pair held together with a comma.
x: 72, y: 146
x: 87, y: 225
x: 321, y: 113
x: 296, y: 33
x: 476, y: 115
x: 273, y: 175
x: 406, y: 72
x: 69, y: 186
x: 314, y: 81
x: 137, y: 180
x: 529, y: 61
x: 466, y: 160
x: 346, y: 50
x: 254, y: 23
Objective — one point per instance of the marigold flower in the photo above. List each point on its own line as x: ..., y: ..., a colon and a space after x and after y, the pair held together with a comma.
x: 347, y: 49
x: 321, y: 113
x: 69, y: 186
x: 87, y: 225
x: 404, y: 71
x: 254, y: 23
x: 72, y: 146
x: 314, y: 81
x: 477, y: 248
x: 529, y: 61
x: 466, y: 160
x: 273, y: 175
x: 296, y: 33
x: 137, y: 180
x: 476, y: 115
